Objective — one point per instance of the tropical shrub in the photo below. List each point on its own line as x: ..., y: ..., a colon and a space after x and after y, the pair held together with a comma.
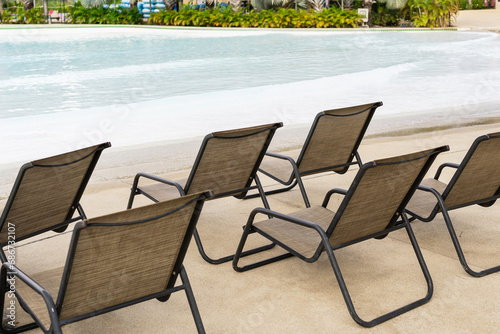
x: 477, y: 4
x: 281, y: 18
x: 18, y: 15
x: 383, y: 16
x: 34, y: 16
x: 474, y: 4
x: 432, y: 13
x: 100, y: 15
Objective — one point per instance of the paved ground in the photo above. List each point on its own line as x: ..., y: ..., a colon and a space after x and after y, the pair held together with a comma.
x: 486, y: 19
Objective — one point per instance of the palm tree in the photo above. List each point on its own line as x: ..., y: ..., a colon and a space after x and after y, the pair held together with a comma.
x: 348, y: 4
x: 268, y: 4
x: 93, y: 3
x: 394, y: 4
x: 235, y: 4
x: 27, y: 4
x: 317, y: 5
x: 170, y: 4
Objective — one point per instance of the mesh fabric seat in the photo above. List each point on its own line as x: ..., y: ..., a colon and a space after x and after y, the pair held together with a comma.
x: 476, y: 181
x: 331, y: 145
x: 370, y: 209
x: 46, y: 194
x: 226, y: 163
x: 113, y: 261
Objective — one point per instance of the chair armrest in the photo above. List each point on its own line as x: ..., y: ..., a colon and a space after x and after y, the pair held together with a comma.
x: 282, y: 157
x: 440, y: 169
x: 282, y: 216
x: 330, y: 193
x: 158, y: 179
x: 11, y: 269
x: 279, y: 156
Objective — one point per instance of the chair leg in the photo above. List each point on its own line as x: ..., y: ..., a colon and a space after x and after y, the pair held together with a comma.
x: 392, y: 314
x: 192, y: 301
x: 133, y: 192
x: 298, y: 180
x: 239, y: 251
x: 275, y: 191
x: 261, y: 192
x: 302, y: 190
x: 226, y: 258
x: 358, y: 159
x: 456, y: 243
x: 246, y: 253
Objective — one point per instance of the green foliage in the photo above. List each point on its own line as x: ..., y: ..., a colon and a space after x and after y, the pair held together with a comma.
x: 16, y: 14
x: 281, y: 18
x: 34, y: 16
x: 382, y: 16
x: 475, y: 4
x: 100, y: 15
x: 432, y: 13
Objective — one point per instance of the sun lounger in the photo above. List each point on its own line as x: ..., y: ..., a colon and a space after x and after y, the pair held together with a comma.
x: 331, y: 145
x: 475, y: 181
x: 370, y: 209
x: 113, y: 261
x: 46, y: 195
x: 227, y: 164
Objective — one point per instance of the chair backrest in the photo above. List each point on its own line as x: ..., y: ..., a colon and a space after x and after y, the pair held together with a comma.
x: 334, y: 138
x: 379, y: 194
x: 478, y: 176
x: 47, y: 192
x: 126, y: 257
x: 228, y: 160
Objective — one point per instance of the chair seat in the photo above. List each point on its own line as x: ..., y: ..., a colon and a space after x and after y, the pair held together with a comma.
x: 303, y: 240
x: 163, y: 192
x: 282, y: 169
x: 423, y: 202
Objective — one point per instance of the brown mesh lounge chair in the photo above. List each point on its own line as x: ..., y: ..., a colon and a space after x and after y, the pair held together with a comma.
x: 46, y: 194
x: 331, y: 145
x: 476, y: 181
x: 113, y: 261
x: 370, y: 209
x: 227, y: 164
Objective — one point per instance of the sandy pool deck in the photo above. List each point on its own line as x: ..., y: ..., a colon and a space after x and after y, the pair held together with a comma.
x: 295, y: 297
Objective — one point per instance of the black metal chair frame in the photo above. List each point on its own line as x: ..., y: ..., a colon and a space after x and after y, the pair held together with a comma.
x: 70, y: 217
x: 441, y: 206
x: 8, y: 271
x: 296, y: 175
x: 393, y: 225
x: 238, y: 193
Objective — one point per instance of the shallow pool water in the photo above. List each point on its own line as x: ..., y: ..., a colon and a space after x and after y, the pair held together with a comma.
x: 79, y: 85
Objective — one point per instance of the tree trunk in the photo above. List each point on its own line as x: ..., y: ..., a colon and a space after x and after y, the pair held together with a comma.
x: 46, y: 10
x: 368, y: 5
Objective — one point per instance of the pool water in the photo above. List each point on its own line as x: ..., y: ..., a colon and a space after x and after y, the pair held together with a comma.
x: 60, y: 85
